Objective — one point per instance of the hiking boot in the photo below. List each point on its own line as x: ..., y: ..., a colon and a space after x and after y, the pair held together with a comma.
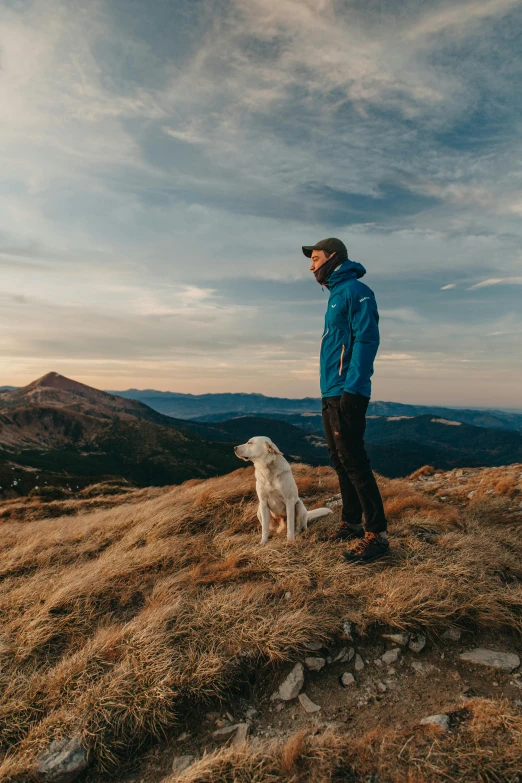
x: 347, y: 533
x: 368, y: 549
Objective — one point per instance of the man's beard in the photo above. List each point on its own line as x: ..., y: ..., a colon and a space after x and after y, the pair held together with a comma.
x: 325, y: 270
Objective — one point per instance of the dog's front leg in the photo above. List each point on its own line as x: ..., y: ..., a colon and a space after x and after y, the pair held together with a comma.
x: 264, y: 514
x: 290, y: 521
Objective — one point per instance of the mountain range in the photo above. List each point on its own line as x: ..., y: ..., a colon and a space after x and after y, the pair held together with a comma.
x: 58, y: 431
x: 215, y: 407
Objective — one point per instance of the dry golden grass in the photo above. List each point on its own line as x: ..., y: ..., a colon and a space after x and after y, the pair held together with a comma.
x: 485, y: 744
x: 115, y: 620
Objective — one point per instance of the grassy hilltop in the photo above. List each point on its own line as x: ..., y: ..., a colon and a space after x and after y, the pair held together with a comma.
x: 125, y: 615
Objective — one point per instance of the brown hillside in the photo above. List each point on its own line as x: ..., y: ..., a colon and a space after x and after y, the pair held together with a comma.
x: 120, y: 619
x: 53, y: 389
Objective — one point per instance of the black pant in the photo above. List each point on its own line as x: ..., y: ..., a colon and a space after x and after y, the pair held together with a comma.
x: 345, y: 439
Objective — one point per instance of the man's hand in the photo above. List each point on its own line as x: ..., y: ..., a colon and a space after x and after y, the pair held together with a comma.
x: 352, y: 403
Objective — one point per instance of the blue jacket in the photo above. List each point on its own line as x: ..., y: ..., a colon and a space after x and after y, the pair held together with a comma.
x: 351, y: 333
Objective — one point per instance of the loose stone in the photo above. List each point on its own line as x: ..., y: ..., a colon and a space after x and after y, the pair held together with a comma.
x: 390, y: 656
x: 241, y: 734
x: 63, y: 760
x: 315, y: 664
x: 181, y: 763
x: 494, y: 658
x: 307, y: 704
x: 344, y: 656
x: 290, y: 688
x: 347, y: 679
x: 436, y: 720
x: 397, y: 638
x: 225, y: 732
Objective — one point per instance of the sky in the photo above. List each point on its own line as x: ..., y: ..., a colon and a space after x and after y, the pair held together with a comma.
x: 163, y: 162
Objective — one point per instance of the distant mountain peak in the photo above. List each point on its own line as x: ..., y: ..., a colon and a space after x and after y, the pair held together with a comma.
x: 54, y: 380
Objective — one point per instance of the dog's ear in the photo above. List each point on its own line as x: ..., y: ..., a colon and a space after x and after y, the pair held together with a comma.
x: 272, y: 448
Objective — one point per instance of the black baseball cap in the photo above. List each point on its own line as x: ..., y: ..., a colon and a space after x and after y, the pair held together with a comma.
x: 331, y: 245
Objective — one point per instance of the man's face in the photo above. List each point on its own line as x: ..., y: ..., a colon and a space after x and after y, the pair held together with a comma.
x: 318, y: 258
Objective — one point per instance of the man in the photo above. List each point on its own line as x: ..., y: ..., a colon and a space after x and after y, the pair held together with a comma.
x: 348, y: 347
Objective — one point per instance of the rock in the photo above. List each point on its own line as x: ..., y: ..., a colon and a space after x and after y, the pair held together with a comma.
x: 494, y: 658
x: 423, y: 668
x: 241, y: 734
x: 347, y: 630
x: 63, y: 760
x: 436, y: 720
x: 390, y: 656
x: 251, y: 713
x: 344, y: 656
x: 315, y: 664
x: 225, y: 732
x: 289, y: 689
x: 181, y: 763
x: 288, y: 595
x: 397, y: 638
x: 417, y: 642
x: 452, y: 635
x: 313, y: 646
x: 381, y: 687
x: 307, y: 704
x: 347, y: 679
x: 359, y: 663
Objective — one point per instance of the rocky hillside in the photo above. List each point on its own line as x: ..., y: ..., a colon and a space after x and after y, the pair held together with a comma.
x: 56, y: 431
x: 149, y: 631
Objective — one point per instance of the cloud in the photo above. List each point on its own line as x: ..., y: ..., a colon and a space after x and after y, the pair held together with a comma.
x: 161, y: 168
x: 496, y: 281
x: 459, y: 17
x: 407, y: 314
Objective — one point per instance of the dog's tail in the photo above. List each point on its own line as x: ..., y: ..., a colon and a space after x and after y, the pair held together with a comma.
x: 318, y: 512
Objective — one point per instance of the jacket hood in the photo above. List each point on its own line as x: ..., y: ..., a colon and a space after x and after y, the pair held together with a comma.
x: 347, y: 269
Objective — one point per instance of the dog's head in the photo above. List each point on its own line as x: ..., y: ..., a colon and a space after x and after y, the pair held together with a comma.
x: 257, y: 449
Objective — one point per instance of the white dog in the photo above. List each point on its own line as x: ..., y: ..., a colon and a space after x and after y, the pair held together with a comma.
x: 279, y: 500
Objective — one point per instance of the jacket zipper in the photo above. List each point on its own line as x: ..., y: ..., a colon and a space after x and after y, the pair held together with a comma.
x: 341, y: 362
